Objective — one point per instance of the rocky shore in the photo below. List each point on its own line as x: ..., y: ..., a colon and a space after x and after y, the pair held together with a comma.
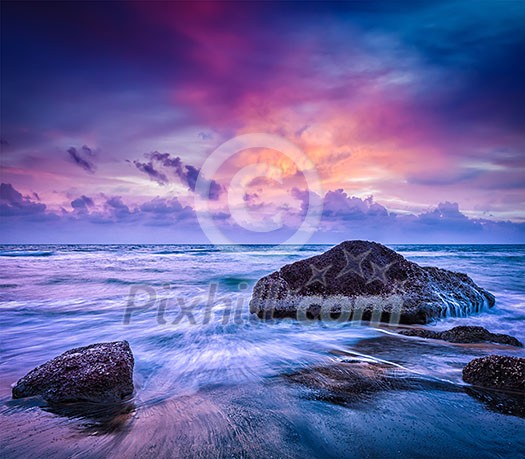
x: 358, y: 280
x: 366, y: 281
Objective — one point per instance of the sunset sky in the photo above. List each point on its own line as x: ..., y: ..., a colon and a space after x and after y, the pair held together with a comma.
x: 411, y: 113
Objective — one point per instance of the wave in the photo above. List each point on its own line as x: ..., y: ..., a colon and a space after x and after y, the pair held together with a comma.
x: 18, y: 253
x: 8, y: 285
x: 113, y: 280
x: 232, y: 281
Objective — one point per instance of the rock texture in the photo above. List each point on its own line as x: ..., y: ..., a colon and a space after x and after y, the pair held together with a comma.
x: 512, y: 403
x: 361, y: 280
x: 464, y: 334
x: 346, y: 377
x: 100, y: 372
x: 496, y: 372
x: 352, y: 380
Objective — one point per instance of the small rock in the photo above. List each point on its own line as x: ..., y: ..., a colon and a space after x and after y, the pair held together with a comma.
x: 496, y: 372
x: 464, y: 334
x: 101, y: 372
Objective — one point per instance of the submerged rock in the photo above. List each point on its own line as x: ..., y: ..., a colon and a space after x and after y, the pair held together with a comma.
x: 345, y: 381
x: 100, y: 372
x: 500, y: 402
x: 464, y: 334
x: 353, y: 380
x: 496, y: 372
x: 345, y: 377
x: 361, y: 280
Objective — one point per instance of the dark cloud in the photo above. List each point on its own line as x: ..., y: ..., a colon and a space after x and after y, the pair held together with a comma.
x: 12, y: 203
x: 150, y: 170
x: 87, y: 150
x: 82, y: 203
x: 188, y: 174
x: 192, y: 174
x: 77, y: 158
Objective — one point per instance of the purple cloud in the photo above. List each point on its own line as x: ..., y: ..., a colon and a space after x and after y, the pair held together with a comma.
x: 188, y: 174
x: 344, y: 217
x: 153, y: 173
x: 82, y: 203
x: 12, y: 203
x: 338, y: 205
x: 77, y: 158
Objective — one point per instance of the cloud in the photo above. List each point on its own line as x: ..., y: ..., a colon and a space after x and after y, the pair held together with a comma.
x: 150, y: 170
x: 82, y: 203
x: 167, y: 211
x: 188, y: 174
x: 78, y: 159
x: 343, y: 217
x: 337, y: 205
x: 117, y: 209
x: 12, y: 203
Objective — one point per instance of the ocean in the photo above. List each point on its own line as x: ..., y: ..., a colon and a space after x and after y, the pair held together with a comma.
x: 209, y: 376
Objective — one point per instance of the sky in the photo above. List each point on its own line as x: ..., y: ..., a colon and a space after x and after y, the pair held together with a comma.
x: 409, y: 118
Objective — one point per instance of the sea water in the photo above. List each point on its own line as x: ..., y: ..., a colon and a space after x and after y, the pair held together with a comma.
x: 209, y: 375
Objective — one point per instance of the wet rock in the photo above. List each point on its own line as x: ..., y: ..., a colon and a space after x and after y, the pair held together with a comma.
x: 464, y: 334
x: 361, y: 280
x: 496, y: 372
x: 353, y: 380
x: 343, y: 377
x: 500, y: 402
x: 100, y: 372
x: 421, y: 333
x: 343, y: 382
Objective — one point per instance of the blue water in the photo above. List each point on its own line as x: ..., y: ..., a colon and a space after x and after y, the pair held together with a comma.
x: 209, y: 382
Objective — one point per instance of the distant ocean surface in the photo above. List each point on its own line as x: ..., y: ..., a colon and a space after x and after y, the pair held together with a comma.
x: 209, y: 381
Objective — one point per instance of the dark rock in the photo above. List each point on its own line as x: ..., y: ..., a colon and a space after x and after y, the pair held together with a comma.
x: 496, y: 372
x: 344, y: 382
x: 352, y: 380
x: 421, y: 333
x: 361, y: 280
x: 500, y: 402
x: 464, y: 334
x: 100, y: 372
x: 344, y: 377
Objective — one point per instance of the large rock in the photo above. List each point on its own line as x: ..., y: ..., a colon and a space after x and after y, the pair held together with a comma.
x: 496, y: 372
x: 360, y: 280
x: 464, y: 334
x: 100, y: 372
